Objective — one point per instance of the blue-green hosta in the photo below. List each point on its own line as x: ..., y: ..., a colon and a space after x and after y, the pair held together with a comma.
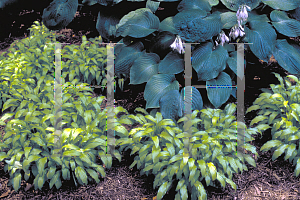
x: 186, y: 153
x: 36, y: 155
x: 148, y: 53
x: 279, y: 109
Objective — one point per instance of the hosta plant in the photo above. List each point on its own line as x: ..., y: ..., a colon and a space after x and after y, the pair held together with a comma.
x: 279, y: 109
x: 33, y: 57
x: 152, y: 49
x: 36, y: 156
x: 199, y: 152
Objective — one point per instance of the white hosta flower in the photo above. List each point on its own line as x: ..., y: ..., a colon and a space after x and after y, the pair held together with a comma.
x: 236, y: 31
x: 222, y: 38
x: 178, y: 45
x: 242, y: 13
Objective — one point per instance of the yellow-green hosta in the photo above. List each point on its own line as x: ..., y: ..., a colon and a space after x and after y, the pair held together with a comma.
x: 279, y: 109
x: 192, y: 155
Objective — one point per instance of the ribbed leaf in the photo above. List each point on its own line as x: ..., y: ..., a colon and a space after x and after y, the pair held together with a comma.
x: 287, y: 56
x: 81, y: 174
x: 202, y: 167
x: 193, y: 25
x: 183, y: 193
x: 194, y: 4
x: 168, y: 25
x: 157, y: 86
x: 163, y: 189
x: 207, y: 63
x: 106, y: 25
x: 290, y: 150
x: 93, y: 174
x: 144, y: 68
x: 213, y: 170
x: 196, y: 98
x: 54, y: 179
x: 127, y: 56
x: 59, y: 13
x: 279, y: 151
x: 228, y: 19
x: 285, y: 5
x: 268, y: 145
x: 139, y: 23
x: 263, y: 37
x: 17, y: 181
x: 171, y: 105
x: 152, y: 5
x: 232, y: 63
x: 285, y: 25
x: 234, y: 4
x: 217, y: 94
x: 41, y: 165
x: 171, y: 64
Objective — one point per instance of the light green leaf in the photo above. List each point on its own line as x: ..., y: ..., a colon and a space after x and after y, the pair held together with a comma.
x: 163, y: 189
x: 81, y: 174
x: 268, y: 145
x: 279, y: 151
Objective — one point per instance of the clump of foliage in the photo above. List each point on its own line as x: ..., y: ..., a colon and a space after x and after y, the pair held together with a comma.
x: 279, y: 109
x: 186, y: 155
x: 30, y: 149
x: 148, y: 53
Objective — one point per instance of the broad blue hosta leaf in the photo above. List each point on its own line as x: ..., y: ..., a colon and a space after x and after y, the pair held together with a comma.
x: 157, y: 86
x: 59, y: 14
x: 234, y: 4
x: 173, y: 63
x: 168, y: 25
x: 194, y: 94
x: 106, y: 25
x: 193, y: 25
x: 144, y: 68
x: 287, y: 56
x: 127, y: 56
x: 284, y: 24
x: 207, y: 63
x: 138, y: 23
x: 228, y: 19
x: 171, y: 105
x: 217, y: 95
x: 253, y: 16
x: 229, y: 47
x: 263, y: 37
x: 152, y: 5
x: 282, y: 4
x: 194, y: 4
x: 232, y: 63
x: 296, y: 13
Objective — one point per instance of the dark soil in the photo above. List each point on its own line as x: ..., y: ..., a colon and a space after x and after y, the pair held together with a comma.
x: 124, y: 183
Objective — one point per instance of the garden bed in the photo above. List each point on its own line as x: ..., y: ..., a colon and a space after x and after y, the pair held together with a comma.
x: 269, y: 180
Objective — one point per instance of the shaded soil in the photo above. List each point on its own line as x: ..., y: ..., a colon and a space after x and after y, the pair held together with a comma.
x: 269, y: 180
